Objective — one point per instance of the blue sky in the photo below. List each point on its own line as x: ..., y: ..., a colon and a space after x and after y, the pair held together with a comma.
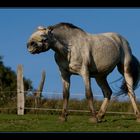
x: 16, y: 25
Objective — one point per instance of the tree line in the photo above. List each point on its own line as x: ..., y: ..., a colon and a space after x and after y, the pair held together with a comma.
x: 8, y: 83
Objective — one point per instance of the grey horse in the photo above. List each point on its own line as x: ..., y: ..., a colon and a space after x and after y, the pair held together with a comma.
x: 91, y: 56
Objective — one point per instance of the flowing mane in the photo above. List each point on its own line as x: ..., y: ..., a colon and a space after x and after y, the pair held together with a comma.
x: 64, y: 24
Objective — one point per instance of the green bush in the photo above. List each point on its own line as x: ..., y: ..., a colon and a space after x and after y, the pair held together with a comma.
x: 74, y: 104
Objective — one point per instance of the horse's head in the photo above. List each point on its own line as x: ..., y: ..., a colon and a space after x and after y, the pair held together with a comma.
x: 40, y: 40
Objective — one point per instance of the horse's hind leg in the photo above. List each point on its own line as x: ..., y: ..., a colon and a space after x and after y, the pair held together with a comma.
x: 107, y: 92
x: 129, y: 83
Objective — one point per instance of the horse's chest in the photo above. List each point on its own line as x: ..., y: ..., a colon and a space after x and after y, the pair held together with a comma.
x: 69, y: 66
x: 63, y: 65
x: 75, y: 68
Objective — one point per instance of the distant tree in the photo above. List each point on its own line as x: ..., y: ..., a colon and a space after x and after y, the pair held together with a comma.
x: 1, y: 63
x: 8, y: 83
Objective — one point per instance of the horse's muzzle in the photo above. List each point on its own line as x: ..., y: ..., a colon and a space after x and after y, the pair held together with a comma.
x: 30, y: 48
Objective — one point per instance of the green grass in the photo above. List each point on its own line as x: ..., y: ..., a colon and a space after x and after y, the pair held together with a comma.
x: 75, y: 123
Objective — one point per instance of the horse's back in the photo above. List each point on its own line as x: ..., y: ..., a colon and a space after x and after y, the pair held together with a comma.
x: 105, y: 51
x: 100, y: 52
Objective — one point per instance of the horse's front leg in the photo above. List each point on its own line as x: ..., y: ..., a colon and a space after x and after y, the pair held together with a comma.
x: 66, y: 86
x: 89, y: 96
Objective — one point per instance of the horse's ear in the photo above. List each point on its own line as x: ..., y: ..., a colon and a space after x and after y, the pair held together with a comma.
x: 49, y: 31
x: 41, y: 28
x: 50, y: 34
x: 50, y: 28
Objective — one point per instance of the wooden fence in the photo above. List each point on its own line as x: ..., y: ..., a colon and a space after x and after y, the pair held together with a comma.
x: 37, y: 94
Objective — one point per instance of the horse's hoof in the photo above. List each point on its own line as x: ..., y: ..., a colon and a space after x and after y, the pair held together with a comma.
x: 93, y: 120
x: 138, y: 119
x: 99, y: 120
x: 62, y: 119
x: 100, y: 116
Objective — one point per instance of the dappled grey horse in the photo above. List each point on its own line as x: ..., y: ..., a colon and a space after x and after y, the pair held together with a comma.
x: 89, y: 55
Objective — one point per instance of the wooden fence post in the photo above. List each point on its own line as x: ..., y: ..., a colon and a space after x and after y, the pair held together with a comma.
x: 38, y: 93
x: 20, y: 91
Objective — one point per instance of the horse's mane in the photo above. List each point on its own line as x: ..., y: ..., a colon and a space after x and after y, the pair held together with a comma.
x: 68, y: 25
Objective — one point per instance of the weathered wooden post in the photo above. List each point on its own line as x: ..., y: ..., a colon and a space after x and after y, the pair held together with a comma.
x: 38, y: 93
x: 20, y: 91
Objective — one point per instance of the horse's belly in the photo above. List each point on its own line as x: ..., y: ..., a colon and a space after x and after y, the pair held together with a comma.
x: 105, y: 58
x: 102, y: 68
x: 104, y: 65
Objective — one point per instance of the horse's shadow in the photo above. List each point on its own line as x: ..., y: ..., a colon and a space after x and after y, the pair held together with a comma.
x: 121, y: 118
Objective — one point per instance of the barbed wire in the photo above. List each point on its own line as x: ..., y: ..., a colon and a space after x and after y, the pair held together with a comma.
x: 70, y: 110
x: 59, y: 93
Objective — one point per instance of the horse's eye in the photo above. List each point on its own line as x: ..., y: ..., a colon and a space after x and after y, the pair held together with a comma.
x: 45, y: 39
x: 32, y: 43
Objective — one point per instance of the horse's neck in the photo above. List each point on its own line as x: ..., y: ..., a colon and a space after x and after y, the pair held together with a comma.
x: 61, y: 48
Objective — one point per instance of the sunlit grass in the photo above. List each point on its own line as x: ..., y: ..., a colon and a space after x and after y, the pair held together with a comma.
x: 75, y: 123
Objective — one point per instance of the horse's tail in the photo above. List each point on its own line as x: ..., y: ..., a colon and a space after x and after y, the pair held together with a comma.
x: 134, y: 71
x: 128, y: 64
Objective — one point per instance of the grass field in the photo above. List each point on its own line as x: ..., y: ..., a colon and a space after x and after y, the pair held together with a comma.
x: 75, y: 123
